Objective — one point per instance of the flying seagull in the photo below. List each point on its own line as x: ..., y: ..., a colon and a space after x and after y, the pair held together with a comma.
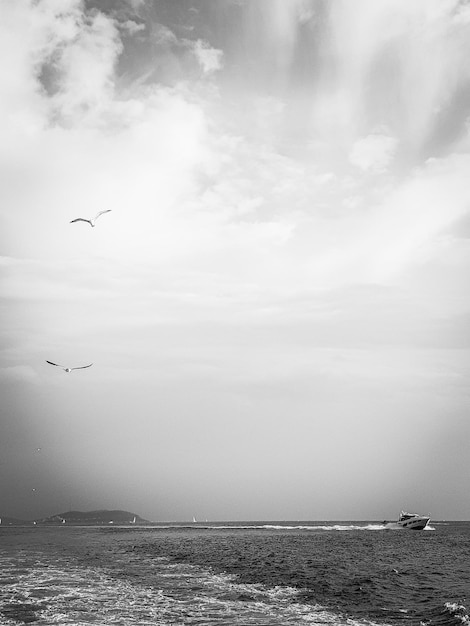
x: 93, y: 220
x: 69, y: 369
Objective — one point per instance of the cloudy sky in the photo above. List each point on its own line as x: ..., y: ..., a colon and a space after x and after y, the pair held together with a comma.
x: 277, y: 307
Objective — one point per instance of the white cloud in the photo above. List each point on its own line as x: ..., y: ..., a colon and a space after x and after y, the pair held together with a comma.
x: 209, y: 58
x: 374, y: 152
x: 86, y: 68
x: 73, y: 53
x: 146, y: 156
x: 136, y: 4
x: 131, y: 26
x: 396, y: 64
x: 408, y: 219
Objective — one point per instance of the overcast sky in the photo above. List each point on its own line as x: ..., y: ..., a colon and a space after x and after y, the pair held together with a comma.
x: 277, y: 308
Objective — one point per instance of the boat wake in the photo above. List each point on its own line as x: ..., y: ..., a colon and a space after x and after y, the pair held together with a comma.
x: 295, y: 527
x: 52, y: 589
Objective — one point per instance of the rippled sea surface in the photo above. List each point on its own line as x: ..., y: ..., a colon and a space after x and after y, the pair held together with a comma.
x: 237, y: 574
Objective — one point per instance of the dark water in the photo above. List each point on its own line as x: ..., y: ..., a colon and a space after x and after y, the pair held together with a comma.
x: 236, y: 574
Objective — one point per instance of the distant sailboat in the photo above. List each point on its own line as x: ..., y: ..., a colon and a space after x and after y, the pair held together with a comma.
x: 133, y: 521
x: 194, y: 520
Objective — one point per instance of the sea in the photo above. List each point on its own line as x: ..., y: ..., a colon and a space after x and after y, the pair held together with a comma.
x: 251, y: 573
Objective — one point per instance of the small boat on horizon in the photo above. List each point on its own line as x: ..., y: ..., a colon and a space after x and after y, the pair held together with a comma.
x: 410, y: 521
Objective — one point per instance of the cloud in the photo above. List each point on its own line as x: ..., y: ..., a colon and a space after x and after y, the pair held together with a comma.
x: 63, y: 66
x: 86, y: 68
x: 396, y: 65
x: 224, y: 219
x: 131, y: 26
x: 136, y: 4
x: 373, y: 153
x: 208, y: 57
x: 462, y: 14
x: 402, y: 228
x: 163, y: 36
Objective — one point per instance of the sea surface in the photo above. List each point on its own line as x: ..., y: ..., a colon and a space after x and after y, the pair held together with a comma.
x: 247, y: 574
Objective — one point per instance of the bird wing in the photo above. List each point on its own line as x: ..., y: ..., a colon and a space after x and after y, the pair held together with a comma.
x: 80, y: 219
x: 82, y: 367
x: 101, y: 213
x: 51, y: 363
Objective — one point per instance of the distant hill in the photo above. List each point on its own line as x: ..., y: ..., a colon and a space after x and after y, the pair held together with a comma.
x: 94, y: 517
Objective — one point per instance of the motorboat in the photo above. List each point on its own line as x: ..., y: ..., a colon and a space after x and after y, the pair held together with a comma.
x: 413, y: 521
x: 410, y: 521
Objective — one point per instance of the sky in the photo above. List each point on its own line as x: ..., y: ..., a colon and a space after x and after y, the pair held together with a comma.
x: 277, y: 306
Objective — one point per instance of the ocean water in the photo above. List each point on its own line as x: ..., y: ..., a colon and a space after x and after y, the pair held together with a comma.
x: 235, y: 574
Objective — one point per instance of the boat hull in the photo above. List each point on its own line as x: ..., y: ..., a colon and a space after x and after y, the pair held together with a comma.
x: 409, y: 521
x: 414, y: 523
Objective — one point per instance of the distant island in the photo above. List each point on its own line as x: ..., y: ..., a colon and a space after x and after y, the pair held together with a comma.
x: 80, y: 518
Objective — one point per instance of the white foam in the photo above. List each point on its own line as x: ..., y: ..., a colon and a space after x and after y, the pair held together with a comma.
x: 147, y: 591
x: 338, y: 527
x: 459, y: 611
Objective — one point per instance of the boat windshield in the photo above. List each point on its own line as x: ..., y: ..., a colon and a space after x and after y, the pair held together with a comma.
x: 404, y: 515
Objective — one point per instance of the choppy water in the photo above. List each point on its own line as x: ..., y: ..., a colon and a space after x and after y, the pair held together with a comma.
x: 236, y: 574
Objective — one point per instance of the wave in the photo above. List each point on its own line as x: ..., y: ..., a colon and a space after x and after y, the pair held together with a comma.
x: 458, y: 613
x: 51, y: 587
